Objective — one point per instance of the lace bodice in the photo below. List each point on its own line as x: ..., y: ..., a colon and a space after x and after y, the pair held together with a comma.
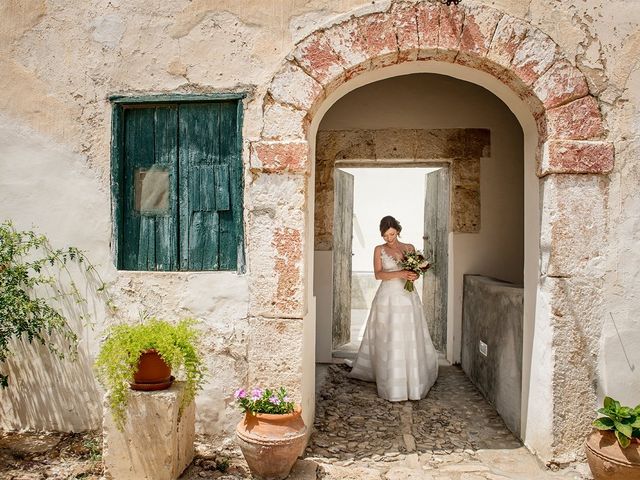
x: 389, y: 264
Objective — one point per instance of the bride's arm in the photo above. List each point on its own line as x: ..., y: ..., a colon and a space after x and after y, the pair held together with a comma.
x: 380, y: 275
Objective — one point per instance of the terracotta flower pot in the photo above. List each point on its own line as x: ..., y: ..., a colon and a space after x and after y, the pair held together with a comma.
x: 608, y: 460
x: 271, y: 443
x: 153, y: 373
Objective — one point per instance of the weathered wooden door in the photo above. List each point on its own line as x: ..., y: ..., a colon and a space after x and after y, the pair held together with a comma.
x: 342, y: 235
x: 436, y: 234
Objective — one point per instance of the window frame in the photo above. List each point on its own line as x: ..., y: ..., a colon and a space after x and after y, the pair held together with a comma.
x: 121, y: 102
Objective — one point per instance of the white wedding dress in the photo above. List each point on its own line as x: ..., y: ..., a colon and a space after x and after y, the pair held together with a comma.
x: 396, y: 351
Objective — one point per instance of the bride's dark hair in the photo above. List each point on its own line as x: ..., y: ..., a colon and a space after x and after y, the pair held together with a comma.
x: 389, y: 222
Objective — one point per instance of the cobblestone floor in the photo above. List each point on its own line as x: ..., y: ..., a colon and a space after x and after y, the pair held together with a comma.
x: 453, y: 434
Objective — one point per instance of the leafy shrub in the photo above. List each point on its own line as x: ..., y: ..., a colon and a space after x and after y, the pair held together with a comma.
x: 623, y: 421
x: 32, y: 293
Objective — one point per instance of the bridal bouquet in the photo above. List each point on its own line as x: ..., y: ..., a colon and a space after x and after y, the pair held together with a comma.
x: 415, y: 262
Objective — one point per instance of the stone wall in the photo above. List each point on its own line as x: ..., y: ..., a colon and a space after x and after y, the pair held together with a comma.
x: 493, y: 314
x: 459, y: 148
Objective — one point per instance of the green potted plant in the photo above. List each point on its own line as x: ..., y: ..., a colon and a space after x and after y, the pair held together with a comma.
x: 613, y: 448
x: 272, y: 433
x: 38, y: 292
x: 166, y: 346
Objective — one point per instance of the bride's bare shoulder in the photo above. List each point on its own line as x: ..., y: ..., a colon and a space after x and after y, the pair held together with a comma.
x: 408, y: 247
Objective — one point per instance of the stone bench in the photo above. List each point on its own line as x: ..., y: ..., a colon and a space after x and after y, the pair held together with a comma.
x: 155, y: 444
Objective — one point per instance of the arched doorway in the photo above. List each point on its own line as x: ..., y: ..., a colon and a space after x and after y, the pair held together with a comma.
x: 470, y: 220
x: 564, y: 158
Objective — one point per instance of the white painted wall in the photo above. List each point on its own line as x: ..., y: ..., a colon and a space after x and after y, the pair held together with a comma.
x: 48, y: 187
x: 424, y: 101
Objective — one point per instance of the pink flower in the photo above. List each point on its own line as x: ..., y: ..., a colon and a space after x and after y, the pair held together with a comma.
x: 240, y: 393
x: 286, y: 399
x: 256, y: 394
x: 275, y: 400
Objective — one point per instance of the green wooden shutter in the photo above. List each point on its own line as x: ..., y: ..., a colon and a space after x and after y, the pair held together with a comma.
x: 210, y: 186
x: 229, y: 186
x: 199, y: 151
x: 150, y: 226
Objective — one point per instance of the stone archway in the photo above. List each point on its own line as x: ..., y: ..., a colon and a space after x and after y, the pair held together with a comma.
x: 573, y: 160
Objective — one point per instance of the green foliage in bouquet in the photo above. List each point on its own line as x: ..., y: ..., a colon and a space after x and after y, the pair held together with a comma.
x: 117, y: 361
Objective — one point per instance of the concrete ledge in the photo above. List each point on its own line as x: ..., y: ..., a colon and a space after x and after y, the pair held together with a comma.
x: 156, y: 444
x: 493, y: 314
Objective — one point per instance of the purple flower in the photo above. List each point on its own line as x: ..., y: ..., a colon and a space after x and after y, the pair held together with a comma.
x: 240, y: 393
x: 275, y: 400
x: 256, y: 394
x: 286, y: 399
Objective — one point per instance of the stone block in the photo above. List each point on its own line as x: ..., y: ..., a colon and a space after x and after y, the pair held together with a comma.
x: 275, y: 241
x: 466, y: 172
x: 347, y: 41
x: 578, y: 120
x: 281, y: 122
x: 393, y: 144
x: 576, y: 311
x: 573, y: 225
x: 157, y: 440
x: 533, y: 56
x: 427, y: 19
x: 345, y: 145
x: 510, y: 32
x: 379, y: 35
x: 275, y: 226
x: 560, y: 84
x: 465, y: 215
x: 317, y: 57
x: 292, y: 86
x: 573, y: 156
x: 274, y: 351
x: 449, y: 31
x: 479, y: 25
x: 404, y: 18
x: 272, y: 157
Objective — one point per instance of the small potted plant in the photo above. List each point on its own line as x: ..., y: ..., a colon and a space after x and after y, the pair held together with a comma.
x: 272, y: 433
x: 613, y: 448
x: 155, y: 343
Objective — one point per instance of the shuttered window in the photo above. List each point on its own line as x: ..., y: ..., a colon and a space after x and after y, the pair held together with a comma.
x: 177, y: 185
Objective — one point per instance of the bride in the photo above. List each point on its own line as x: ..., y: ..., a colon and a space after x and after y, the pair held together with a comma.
x: 396, y: 351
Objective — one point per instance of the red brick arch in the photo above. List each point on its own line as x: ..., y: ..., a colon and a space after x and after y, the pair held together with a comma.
x: 512, y: 50
x: 573, y: 159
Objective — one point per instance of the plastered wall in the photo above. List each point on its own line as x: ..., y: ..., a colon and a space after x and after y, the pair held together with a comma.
x: 60, y: 60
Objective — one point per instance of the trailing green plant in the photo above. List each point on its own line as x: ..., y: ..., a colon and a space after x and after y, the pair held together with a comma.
x: 623, y: 421
x: 117, y: 361
x: 35, y: 284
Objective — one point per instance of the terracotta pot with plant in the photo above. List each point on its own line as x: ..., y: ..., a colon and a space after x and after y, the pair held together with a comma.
x: 272, y: 434
x: 142, y: 356
x: 613, y: 448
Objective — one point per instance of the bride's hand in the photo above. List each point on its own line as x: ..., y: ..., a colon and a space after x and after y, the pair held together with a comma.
x: 407, y: 275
